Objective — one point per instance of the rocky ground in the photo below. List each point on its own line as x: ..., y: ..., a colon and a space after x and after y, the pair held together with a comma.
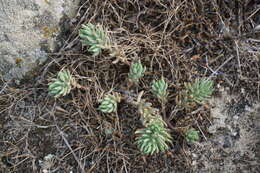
x: 181, y: 40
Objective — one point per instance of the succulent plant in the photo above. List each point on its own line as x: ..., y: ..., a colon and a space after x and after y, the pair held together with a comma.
x: 95, y: 37
x: 159, y: 89
x: 192, y: 135
x: 109, y: 103
x: 61, y: 85
x: 136, y: 71
x: 153, y: 138
x: 198, y: 91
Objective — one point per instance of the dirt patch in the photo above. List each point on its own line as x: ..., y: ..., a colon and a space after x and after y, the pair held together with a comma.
x: 232, y: 147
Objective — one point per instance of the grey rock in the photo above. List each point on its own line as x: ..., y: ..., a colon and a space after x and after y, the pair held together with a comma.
x: 28, y: 30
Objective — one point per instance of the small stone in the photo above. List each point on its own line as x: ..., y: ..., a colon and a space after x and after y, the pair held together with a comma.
x: 212, y: 129
x: 234, y: 133
x: 194, y: 162
x: 242, y: 91
x: 248, y: 109
x: 236, y: 117
x: 194, y: 155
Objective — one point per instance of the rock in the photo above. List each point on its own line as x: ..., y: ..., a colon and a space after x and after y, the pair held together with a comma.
x: 28, y: 30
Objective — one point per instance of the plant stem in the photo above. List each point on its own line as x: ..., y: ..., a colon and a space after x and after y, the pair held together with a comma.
x: 163, y: 110
x: 166, y: 120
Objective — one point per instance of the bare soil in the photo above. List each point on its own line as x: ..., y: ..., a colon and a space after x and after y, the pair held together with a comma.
x: 181, y: 40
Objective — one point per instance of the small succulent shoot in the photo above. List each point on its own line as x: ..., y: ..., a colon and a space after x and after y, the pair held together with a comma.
x: 136, y: 71
x: 159, y: 89
x: 61, y: 85
x: 109, y: 103
x: 192, y: 135
x: 197, y: 92
x: 95, y: 37
x: 153, y: 138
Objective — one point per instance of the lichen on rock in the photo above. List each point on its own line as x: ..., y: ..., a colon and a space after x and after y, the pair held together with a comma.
x: 24, y: 26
